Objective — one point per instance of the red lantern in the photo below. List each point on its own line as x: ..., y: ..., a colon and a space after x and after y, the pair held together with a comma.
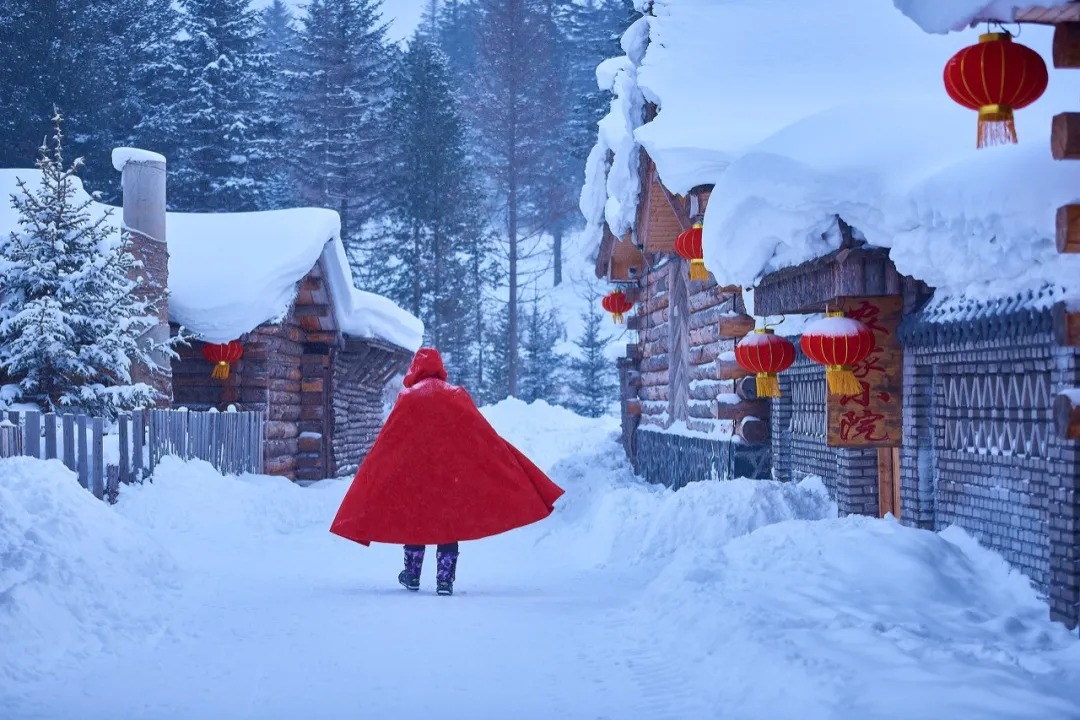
x: 617, y: 304
x: 688, y: 247
x: 838, y: 342
x: 222, y: 356
x: 765, y: 353
x: 996, y: 77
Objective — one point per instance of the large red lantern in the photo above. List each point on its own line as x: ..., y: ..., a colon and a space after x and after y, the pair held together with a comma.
x: 688, y: 247
x: 617, y: 304
x: 222, y: 355
x: 838, y: 342
x: 996, y: 77
x: 765, y: 354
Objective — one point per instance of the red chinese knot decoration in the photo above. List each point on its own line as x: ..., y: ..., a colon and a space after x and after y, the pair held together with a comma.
x: 838, y: 342
x: 617, y: 304
x: 996, y: 77
x: 765, y: 354
x: 222, y: 355
x: 688, y: 247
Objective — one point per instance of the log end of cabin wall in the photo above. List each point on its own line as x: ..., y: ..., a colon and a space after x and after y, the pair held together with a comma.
x: 1067, y: 414
x: 1066, y: 325
x: 1068, y: 229
x: 1066, y: 47
x: 1065, y: 136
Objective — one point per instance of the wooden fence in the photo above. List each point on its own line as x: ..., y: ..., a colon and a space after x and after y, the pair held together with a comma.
x: 231, y: 442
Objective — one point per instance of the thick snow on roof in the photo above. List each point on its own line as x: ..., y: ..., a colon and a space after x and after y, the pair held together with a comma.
x: 231, y: 272
x: 798, y: 112
x: 942, y: 16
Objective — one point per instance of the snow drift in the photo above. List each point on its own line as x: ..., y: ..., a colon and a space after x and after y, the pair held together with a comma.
x: 76, y: 577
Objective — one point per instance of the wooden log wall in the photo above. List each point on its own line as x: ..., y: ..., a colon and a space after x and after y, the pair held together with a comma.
x: 358, y: 413
x: 686, y: 369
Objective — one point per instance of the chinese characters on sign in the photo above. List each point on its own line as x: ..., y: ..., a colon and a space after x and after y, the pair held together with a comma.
x: 872, y: 418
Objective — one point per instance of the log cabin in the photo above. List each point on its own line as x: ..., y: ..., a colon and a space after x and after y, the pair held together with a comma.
x: 317, y: 352
x: 969, y: 409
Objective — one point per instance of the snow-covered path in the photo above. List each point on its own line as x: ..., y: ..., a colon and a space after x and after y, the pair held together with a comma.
x: 207, y: 597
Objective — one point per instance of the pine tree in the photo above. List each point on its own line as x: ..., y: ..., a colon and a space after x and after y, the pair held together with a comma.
x: 456, y: 37
x: 69, y: 322
x: 90, y: 57
x: 434, y: 229
x: 543, y: 366
x: 592, y: 385
x: 216, y: 133
x: 279, y: 43
x: 515, y: 56
x: 341, y: 88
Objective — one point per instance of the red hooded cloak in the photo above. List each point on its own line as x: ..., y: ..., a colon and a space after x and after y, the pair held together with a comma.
x: 439, y: 473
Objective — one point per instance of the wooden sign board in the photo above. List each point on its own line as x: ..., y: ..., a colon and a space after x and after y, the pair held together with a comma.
x: 873, y: 418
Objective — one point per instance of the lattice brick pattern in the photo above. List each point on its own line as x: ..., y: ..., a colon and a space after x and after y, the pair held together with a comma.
x: 997, y: 414
x: 809, y: 409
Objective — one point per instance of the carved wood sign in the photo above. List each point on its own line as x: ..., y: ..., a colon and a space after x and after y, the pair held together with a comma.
x: 873, y: 417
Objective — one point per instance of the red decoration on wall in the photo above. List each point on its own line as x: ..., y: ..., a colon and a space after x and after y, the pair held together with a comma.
x: 688, y: 247
x: 996, y: 77
x: 838, y: 342
x: 765, y: 354
x: 222, y: 355
x: 617, y: 304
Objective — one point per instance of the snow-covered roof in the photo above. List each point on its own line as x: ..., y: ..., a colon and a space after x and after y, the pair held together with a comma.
x: 798, y: 112
x: 942, y: 16
x: 231, y: 272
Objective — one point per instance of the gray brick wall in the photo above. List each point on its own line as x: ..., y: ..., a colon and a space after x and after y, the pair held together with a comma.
x: 980, y: 450
x: 676, y: 460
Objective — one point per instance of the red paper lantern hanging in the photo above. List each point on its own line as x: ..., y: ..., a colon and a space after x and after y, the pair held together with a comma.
x: 688, y: 247
x: 838, y: 342
x: 765, y: 354
x: 617, y: 304
x: 996, y: 77
x: 222, y: 355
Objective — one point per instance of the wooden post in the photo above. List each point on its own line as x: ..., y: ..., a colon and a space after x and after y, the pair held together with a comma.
x: 138, y: 427
x: 124, y: 474
x: 83, y: 458
x: 69, y: 442
x: 32, y: 434
x: 10, y: 440
x: 152, y: 417
x: 50, y: 436
x: 99, y: 458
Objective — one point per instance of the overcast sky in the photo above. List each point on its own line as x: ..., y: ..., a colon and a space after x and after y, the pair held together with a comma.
x: 403, y: 15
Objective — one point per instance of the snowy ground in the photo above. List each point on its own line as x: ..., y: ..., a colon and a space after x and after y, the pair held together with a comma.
x: 206, y: 597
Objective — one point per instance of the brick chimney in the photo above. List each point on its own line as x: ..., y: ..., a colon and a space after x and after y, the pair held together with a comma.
x: 143, y: 179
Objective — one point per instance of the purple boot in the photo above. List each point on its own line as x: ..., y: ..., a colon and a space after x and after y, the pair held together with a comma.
x: 447, y: 572
x: 414, y: 563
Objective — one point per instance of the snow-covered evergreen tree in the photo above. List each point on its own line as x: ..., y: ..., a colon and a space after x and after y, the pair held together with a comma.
x: 543, y: 366
x: 341, y: 88
x: 96, y: 59
x: 592, y: 383
x: 279, y: 43
x: 69, y: 322
x: 216, y: 133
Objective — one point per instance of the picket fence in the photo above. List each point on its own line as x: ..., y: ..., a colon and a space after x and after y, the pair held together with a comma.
x: 232, y: 442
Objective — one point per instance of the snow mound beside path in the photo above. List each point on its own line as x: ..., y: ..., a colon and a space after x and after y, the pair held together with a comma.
x: 75, y: 576
x: 546, y: 433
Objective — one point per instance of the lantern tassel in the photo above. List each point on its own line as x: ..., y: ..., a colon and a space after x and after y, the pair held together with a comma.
x: 842, y: 381
x: 996, y: 126
x: 698, y: 271
x: 768, y: 385
x: 617, y: 318
x: 221, y: 371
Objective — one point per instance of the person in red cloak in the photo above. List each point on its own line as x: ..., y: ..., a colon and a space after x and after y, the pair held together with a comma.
x: 439, y: 474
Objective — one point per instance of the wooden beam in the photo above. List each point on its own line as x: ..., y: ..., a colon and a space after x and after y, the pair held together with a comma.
x: 1066, y: 49
x: 746, y: 388
x: 734, y: 325
x: 1067, y: 414
x: 740, y: 410
x: 730, y: 370
x: 676, y: 207
x: 1065, y: 136
x: 754, y: 430
x: 1066, y: 326
x: 1068, y: 229
x: 313, y: 310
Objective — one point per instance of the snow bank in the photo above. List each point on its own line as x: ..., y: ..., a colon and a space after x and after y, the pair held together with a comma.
x: 121, y: 156
x: 947, y: 627
x: 76, y: 578
x: 942, y: 16
x: 546, y: 433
